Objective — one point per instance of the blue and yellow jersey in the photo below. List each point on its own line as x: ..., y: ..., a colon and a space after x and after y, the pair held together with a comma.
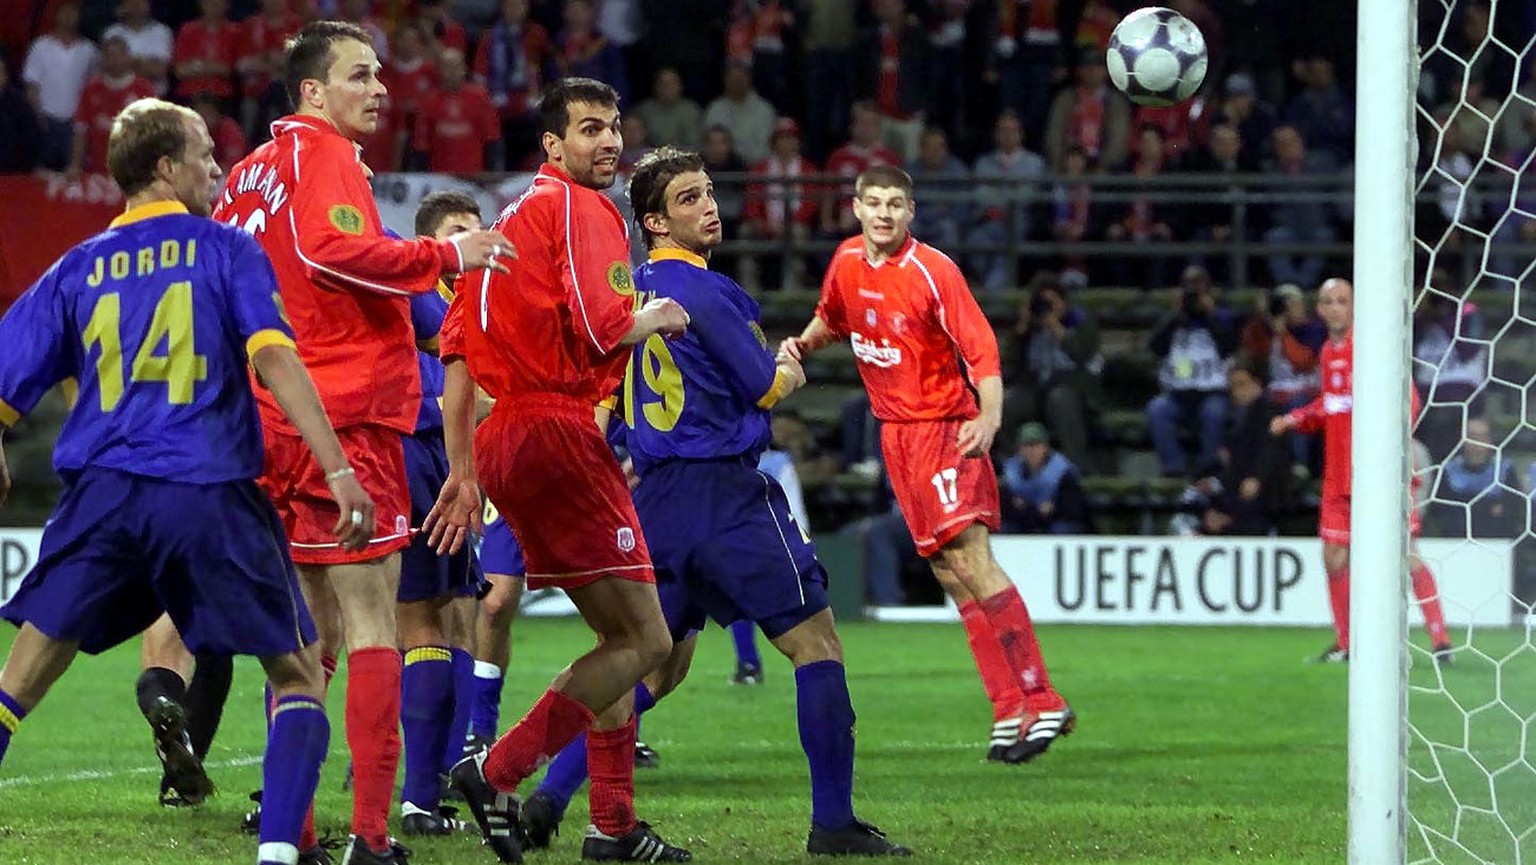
x: 156, y: 317
x: 427, y: 312
x: 705, y: 395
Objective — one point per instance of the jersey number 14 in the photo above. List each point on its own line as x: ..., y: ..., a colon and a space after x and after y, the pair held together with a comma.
x: 180, y: 367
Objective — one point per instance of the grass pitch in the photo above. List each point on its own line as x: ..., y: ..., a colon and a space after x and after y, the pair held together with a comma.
x: 1195, y: 745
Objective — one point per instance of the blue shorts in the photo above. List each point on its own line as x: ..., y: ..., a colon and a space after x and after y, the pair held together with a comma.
x: 424, y: 574
x: 120, y: 549
x: 725, y: 545
x: 499, y: 550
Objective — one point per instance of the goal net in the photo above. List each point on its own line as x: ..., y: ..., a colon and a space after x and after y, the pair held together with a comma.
x: 1471, y: 762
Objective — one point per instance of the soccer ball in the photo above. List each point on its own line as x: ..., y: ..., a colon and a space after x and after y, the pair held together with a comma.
x: 1157, y: 57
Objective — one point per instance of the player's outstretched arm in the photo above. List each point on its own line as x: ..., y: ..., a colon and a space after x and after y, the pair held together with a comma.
x: 457, y: 513
x: 283, y: 373
x: 976, y: 435
x: 816, y: 336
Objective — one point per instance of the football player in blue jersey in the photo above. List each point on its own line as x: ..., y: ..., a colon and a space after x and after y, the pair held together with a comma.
x: 721, y: 532
x: 435, y: 590
x: 157, y: 318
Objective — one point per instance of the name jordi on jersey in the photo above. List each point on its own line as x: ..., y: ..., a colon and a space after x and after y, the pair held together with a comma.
x: 883, y: 355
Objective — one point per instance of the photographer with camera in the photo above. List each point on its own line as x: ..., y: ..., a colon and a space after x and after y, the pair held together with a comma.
x: 1056, y: 363
x: 1285, y: 334
x: 1195, y: 342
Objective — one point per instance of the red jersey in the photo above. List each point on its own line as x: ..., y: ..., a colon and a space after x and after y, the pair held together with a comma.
x: 221, y: 44
x: 229, y: 143
x: 380, y: 152
x: 552, y: 325
x: 345, y: 285
x: 920, y: 339
x: 409, y: 84
x: 1333, y: 412
x: 453, y: 126
x: 100, y: 102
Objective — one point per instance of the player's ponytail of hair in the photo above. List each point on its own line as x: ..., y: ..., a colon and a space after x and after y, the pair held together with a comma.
x: 652, y: 175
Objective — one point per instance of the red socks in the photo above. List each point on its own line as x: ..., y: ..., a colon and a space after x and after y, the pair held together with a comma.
x: 549, y: 726
x: 1009, y: 618
x: 997, y: 676
x: 373, y: 734
x: 611, y: 768
x: 1428, y: 593
x: 1338, y: 600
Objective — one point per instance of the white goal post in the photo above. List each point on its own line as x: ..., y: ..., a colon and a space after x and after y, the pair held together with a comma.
x: 1387, y: 71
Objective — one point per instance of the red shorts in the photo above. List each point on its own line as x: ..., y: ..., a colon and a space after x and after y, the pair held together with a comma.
x: 555, y: 481
x: 1333, y: 521
x: 296, y: 484
x: 940, y: 491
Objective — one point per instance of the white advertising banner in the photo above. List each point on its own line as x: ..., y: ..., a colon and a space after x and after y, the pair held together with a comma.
x: 1133, y: 580
x: 1219, y: 581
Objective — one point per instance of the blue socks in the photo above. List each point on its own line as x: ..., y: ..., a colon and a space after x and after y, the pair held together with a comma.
x: 485, y: 714
x: 426, y: 712
x: 463, y: 704
x: 744, y: 635
x: 297, y: 743
x: 568, y: 771
x: 11, y: 714
x: 826, y: 733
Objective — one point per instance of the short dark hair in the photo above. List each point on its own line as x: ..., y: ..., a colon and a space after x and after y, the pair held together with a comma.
x: 887, y: 176
x: 142, y: 133
x: 555, y: 102
x: 308, y: 53
x: 653, y: 173
x: 437, y: 206
x: 1257, y: 367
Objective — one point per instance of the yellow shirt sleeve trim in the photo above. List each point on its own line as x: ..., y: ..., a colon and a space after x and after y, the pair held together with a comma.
x: 263, y: 338
x: 8, y: 416
x: 609, y: 403
x: 775, y: 391
x: 668, y: 253
x: 71, y: 387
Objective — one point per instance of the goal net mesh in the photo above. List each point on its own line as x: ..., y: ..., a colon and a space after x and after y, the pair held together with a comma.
x: 1471, y: 763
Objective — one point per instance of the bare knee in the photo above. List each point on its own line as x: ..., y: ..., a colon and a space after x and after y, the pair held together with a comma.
x: 670, y: 673
x: 1335, y: 559
x: 296, y: 673
x: 501, y: 602
x: 811, y: 641
x: 653, y: 645
x: 965, y: 568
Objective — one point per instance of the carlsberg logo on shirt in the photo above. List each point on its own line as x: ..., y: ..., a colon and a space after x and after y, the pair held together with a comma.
x: 883, y: 355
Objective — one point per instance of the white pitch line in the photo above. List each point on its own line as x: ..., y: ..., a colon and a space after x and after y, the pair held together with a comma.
x: 98, y: 775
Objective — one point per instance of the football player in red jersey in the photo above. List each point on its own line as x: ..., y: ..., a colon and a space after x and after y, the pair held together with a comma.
x: 1332, y: 414
x: 929, y: 360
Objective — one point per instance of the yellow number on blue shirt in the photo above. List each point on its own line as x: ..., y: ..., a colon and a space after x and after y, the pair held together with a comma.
x: 102, y: 329
x: 663, y: 379
x: 180, y: 366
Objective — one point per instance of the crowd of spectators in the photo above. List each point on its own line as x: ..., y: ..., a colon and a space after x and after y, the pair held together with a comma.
x: 1000, y: 109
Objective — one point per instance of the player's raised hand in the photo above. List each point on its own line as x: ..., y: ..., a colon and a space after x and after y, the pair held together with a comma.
x: 484, y: 249
x: 354, y: 528
x: 975, y: 436
x: 1281, y: 425
x: 455, y: 516
x: 665, y: 316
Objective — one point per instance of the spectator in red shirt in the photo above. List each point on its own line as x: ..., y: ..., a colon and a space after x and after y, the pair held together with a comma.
x: 105, y: 94
x: 513, y: 61
x: 457, y: 124
x: 896, y: 72
x: 440, y: 28
x: 410, y: 73
x: 261, y: 61
x: 778, y: 204
x: 862, y: 151
x: 229, y: 144
x: 206, y: 51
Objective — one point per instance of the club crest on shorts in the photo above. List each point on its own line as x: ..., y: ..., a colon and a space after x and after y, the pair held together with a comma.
x: 870, y: 317
x: 402, y: 524
x: 626, y: 539
x: 620, y: 280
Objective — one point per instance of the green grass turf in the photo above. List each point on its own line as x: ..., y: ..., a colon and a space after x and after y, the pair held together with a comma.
x: 1195, y: 745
